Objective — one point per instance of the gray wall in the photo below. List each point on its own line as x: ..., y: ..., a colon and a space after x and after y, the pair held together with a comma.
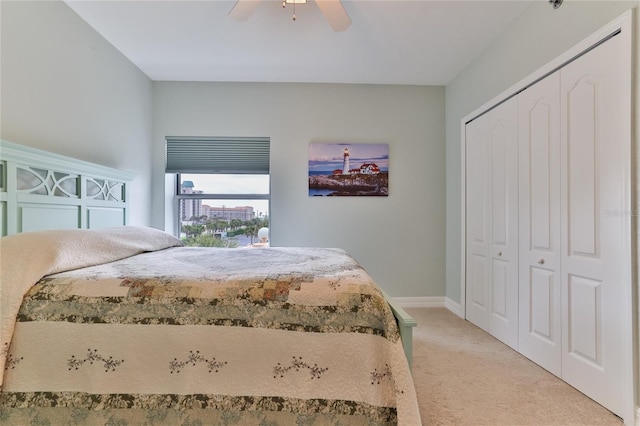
x: 538, y: 36
x: 399, y: 239
x: 64, y: 89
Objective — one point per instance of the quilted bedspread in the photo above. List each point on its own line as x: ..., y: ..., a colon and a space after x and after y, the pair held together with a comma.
x: 265, y: 336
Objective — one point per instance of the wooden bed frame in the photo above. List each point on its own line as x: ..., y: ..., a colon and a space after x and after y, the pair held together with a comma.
x: 40, y: 190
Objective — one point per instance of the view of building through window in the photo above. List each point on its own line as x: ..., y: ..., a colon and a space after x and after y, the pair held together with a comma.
x: 216, y: 210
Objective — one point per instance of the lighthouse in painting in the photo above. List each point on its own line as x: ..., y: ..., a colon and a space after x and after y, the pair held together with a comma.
x: 345, y: 162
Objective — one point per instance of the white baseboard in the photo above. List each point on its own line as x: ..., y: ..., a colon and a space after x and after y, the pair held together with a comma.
x: 637, y: 419
x: 420, y: 302
x: 430, y: 302
x: 454, y: 307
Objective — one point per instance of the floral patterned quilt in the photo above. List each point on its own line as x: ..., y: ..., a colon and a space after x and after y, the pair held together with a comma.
x: 188, y: 336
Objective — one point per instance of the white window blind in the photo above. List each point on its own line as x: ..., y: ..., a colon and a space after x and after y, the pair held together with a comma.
x: 213, y: 155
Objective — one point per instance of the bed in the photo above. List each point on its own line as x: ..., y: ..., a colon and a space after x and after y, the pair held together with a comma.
x: 106, y: 323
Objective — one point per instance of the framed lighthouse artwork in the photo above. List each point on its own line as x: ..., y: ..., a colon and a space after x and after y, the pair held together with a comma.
x: 348, y: 169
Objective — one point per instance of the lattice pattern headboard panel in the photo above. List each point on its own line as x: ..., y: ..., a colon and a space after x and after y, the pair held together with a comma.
x: 40, y: 190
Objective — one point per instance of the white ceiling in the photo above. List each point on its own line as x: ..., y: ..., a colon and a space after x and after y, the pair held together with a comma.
x: 425, y: 42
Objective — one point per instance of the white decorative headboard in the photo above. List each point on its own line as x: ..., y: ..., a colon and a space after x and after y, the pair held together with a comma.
x: 41, y: 190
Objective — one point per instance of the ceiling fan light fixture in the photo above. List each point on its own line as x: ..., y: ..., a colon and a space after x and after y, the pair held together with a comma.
x: 293, y: 2
x: 333, y: 11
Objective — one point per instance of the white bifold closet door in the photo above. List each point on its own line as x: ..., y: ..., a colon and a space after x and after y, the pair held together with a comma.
x: 575, y: 258
x: 492, y: 222
x: 540, y: 309
x: 595, y: 138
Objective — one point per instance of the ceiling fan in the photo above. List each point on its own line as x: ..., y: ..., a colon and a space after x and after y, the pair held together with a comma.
x: 333, y: 10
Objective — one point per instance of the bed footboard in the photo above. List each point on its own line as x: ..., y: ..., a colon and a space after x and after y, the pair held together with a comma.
x: 405, y: 325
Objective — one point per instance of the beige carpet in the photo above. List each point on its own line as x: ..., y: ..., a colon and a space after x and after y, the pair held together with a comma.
x: 463, y: 376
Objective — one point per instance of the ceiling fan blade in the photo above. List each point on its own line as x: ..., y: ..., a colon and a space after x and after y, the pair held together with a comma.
x: 335, y: 14
x: 243, y: 9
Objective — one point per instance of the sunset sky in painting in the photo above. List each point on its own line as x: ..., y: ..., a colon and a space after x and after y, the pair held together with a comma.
x: 329, y: 156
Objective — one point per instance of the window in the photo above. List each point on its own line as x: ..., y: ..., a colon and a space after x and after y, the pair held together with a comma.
x: 223, y: 190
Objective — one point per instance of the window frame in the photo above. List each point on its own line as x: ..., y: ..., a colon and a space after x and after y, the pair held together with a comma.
x: 216, y: 155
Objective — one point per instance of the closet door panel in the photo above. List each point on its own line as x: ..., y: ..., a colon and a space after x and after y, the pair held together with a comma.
x: 503, y: 321
x: 583, y: 167
x: 542, y: 319
x: 478, y: 283
x: 477, y: 224
x: 585, y: 319
x: 500, y: 289
x: 492, y: 222
x: 595, y: 111
x: 539, y: 223
x: 500, y: 185
x: 542, y: 148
